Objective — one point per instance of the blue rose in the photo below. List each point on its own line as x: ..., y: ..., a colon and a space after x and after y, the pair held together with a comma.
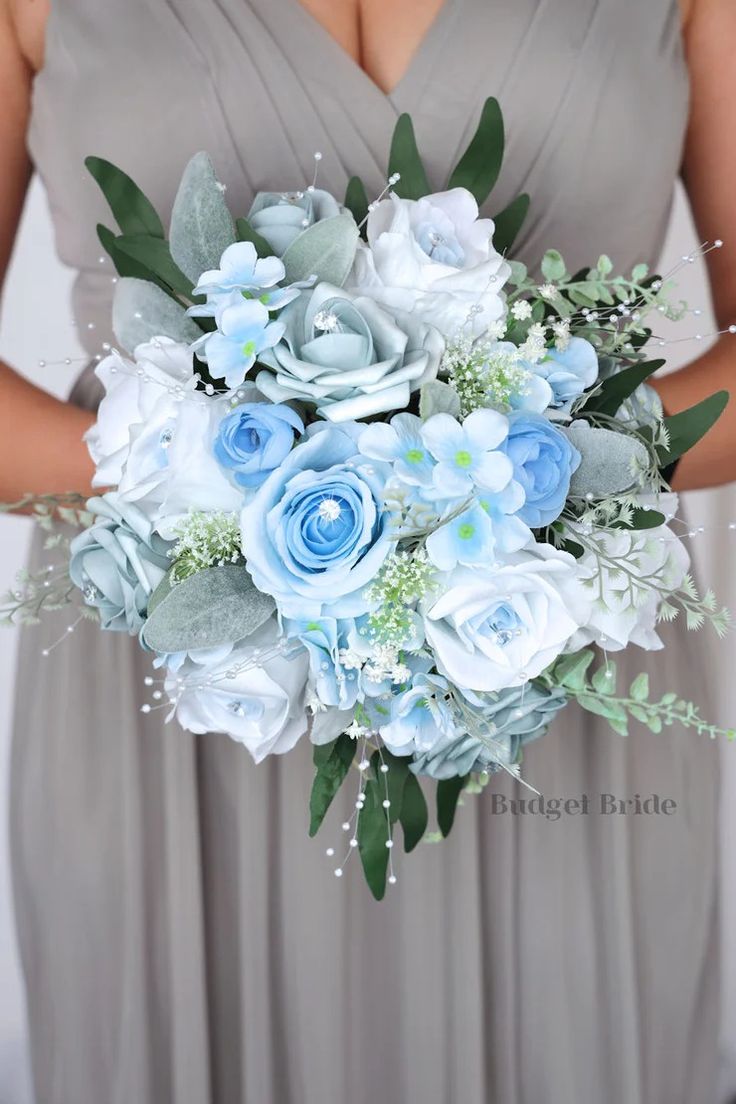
x: 280, y: 217
x: 253, y: 440
x: 489, y: 731
x: 315, y: 534
x: 118, y: 562
x: 569, y: 372
x: 544, y: 461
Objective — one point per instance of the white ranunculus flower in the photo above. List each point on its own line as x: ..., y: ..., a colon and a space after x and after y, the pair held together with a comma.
x: 433, y: 257
x: 491, y: 629
x: 132, y: 390
x: 262, y: 707
x: 625, y: 607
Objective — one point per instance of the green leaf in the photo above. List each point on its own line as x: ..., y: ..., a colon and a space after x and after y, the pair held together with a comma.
x: 405, y: 160
x: 553, y: 266
x: 604, y: 679
x: 333, y: 763
x: 619, y: 725
x: 639, y: 272
x: 655, y: 723
x: 448, y: 795
x: 570, y: 672
x: 609, y: 710
x: 201, y: 225
x: 508, y: 223
x: 436, y: 397
x: 133, y: 212
x: 478, y: 168
x: 641, y: 519
x: 688, y: 427
x: 639, y: 714
x: 246, y: 232
x: 640, y: 687
x: 154, y: 255
x: 609, y: 461
x: 124, y: 265
x: 213, y: 607
x: 326, y: 250
x: 618, y: 387
x: 414, y: 815
x: 356, y: 199
x: 373, y: 834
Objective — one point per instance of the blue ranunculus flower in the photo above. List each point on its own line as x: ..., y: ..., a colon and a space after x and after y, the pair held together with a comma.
x: 315, y: 534
x: 118, y: 562
x: 253, y: 440
x: 544, y: 460
x: 568, y: 372
x: 280, y: 217
x: 489, y: 731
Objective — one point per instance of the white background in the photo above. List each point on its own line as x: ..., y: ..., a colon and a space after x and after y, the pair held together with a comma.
x: 36, y: 325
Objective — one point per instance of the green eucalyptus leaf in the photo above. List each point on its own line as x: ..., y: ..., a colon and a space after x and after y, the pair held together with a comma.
x: 201, y: 225
x: 141, y: 311
x: 448, y: 795
x: 219, y: 605
x: 640, y: 687
x: 436, y: 397
x: 619, y: 386
x: 134, y: 213
x: 404, y: 159
x: 356, y: 199
x: 508, y: 223
x: 478, y: 168
x: 326, y: 250
x: 124, y: 265
x: 246, y: 232
x: 332, y: 762
x: 414, y: 814
x: 154, y: 255
x: 688, y: 427
x: 372, y: 834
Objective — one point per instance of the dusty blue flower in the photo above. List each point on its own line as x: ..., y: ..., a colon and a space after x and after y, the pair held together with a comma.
x: 419, y: 716
x: 242, y: 273
x: 118, y: 562
x: 568, y: 372
x: 253, y: 440
x: 467, y: 453
x: 399, y: 442
x: 244, y: 331
x: 544, y: 460
x: 280, y: 217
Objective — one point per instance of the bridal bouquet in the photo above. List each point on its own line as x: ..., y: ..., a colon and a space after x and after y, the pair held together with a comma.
x: 371, y: 483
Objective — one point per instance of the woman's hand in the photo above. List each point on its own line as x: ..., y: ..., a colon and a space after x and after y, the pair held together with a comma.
x: 41, y: 447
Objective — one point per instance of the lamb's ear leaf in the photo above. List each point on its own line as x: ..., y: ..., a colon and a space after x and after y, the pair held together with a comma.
x: 246, y: 233
x: 219, y: 605
x: 478, y: 168
x: 141, y: 311
x: 134, y: 213
x: 436, y: 397
x: 618, y: 387
x: 509, y: 222
x: 201, y: 225
x: 326, y: 250
x: 332, y: 763
x: 688, y: 427
x: 356, y: 199
x: 405, y: 160
x: 154, y: 255
x: 609, y: 461
x: 448, y: 795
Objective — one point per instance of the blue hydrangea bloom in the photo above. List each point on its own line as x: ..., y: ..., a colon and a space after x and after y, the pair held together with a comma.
x: 243, y: 331
x: 400, y: 443
x: 467, y: 454
x: 568, y: 372
x: 253, y: 440
x: 419, y: 716
x: 243, y: 274
x: 544, y: 460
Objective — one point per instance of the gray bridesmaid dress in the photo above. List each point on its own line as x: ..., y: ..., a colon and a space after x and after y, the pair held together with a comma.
x: 184, y: 942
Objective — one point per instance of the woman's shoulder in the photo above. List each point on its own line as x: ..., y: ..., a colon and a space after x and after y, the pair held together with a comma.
x: 28, y: 21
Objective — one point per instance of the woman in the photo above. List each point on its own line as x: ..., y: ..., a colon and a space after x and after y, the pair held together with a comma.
x: 183, y: 941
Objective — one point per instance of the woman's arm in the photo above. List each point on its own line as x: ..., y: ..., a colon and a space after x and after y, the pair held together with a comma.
x: 41, y: 449
x: 709, y: 173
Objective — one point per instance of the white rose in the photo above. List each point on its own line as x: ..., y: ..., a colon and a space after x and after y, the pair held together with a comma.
x: 256, y: 700
x: 433, y: 257
x: 496, y: 628
x: 627, y: 587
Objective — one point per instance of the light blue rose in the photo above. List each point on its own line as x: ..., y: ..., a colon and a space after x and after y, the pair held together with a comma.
x: 348, y: 356
x: 489, y: 731
x: 315, y: 534
x: 569, y: 372
x: 118, y: 562
x: 544, y: 460
x: 253, y: 440
x: 280, y: 217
